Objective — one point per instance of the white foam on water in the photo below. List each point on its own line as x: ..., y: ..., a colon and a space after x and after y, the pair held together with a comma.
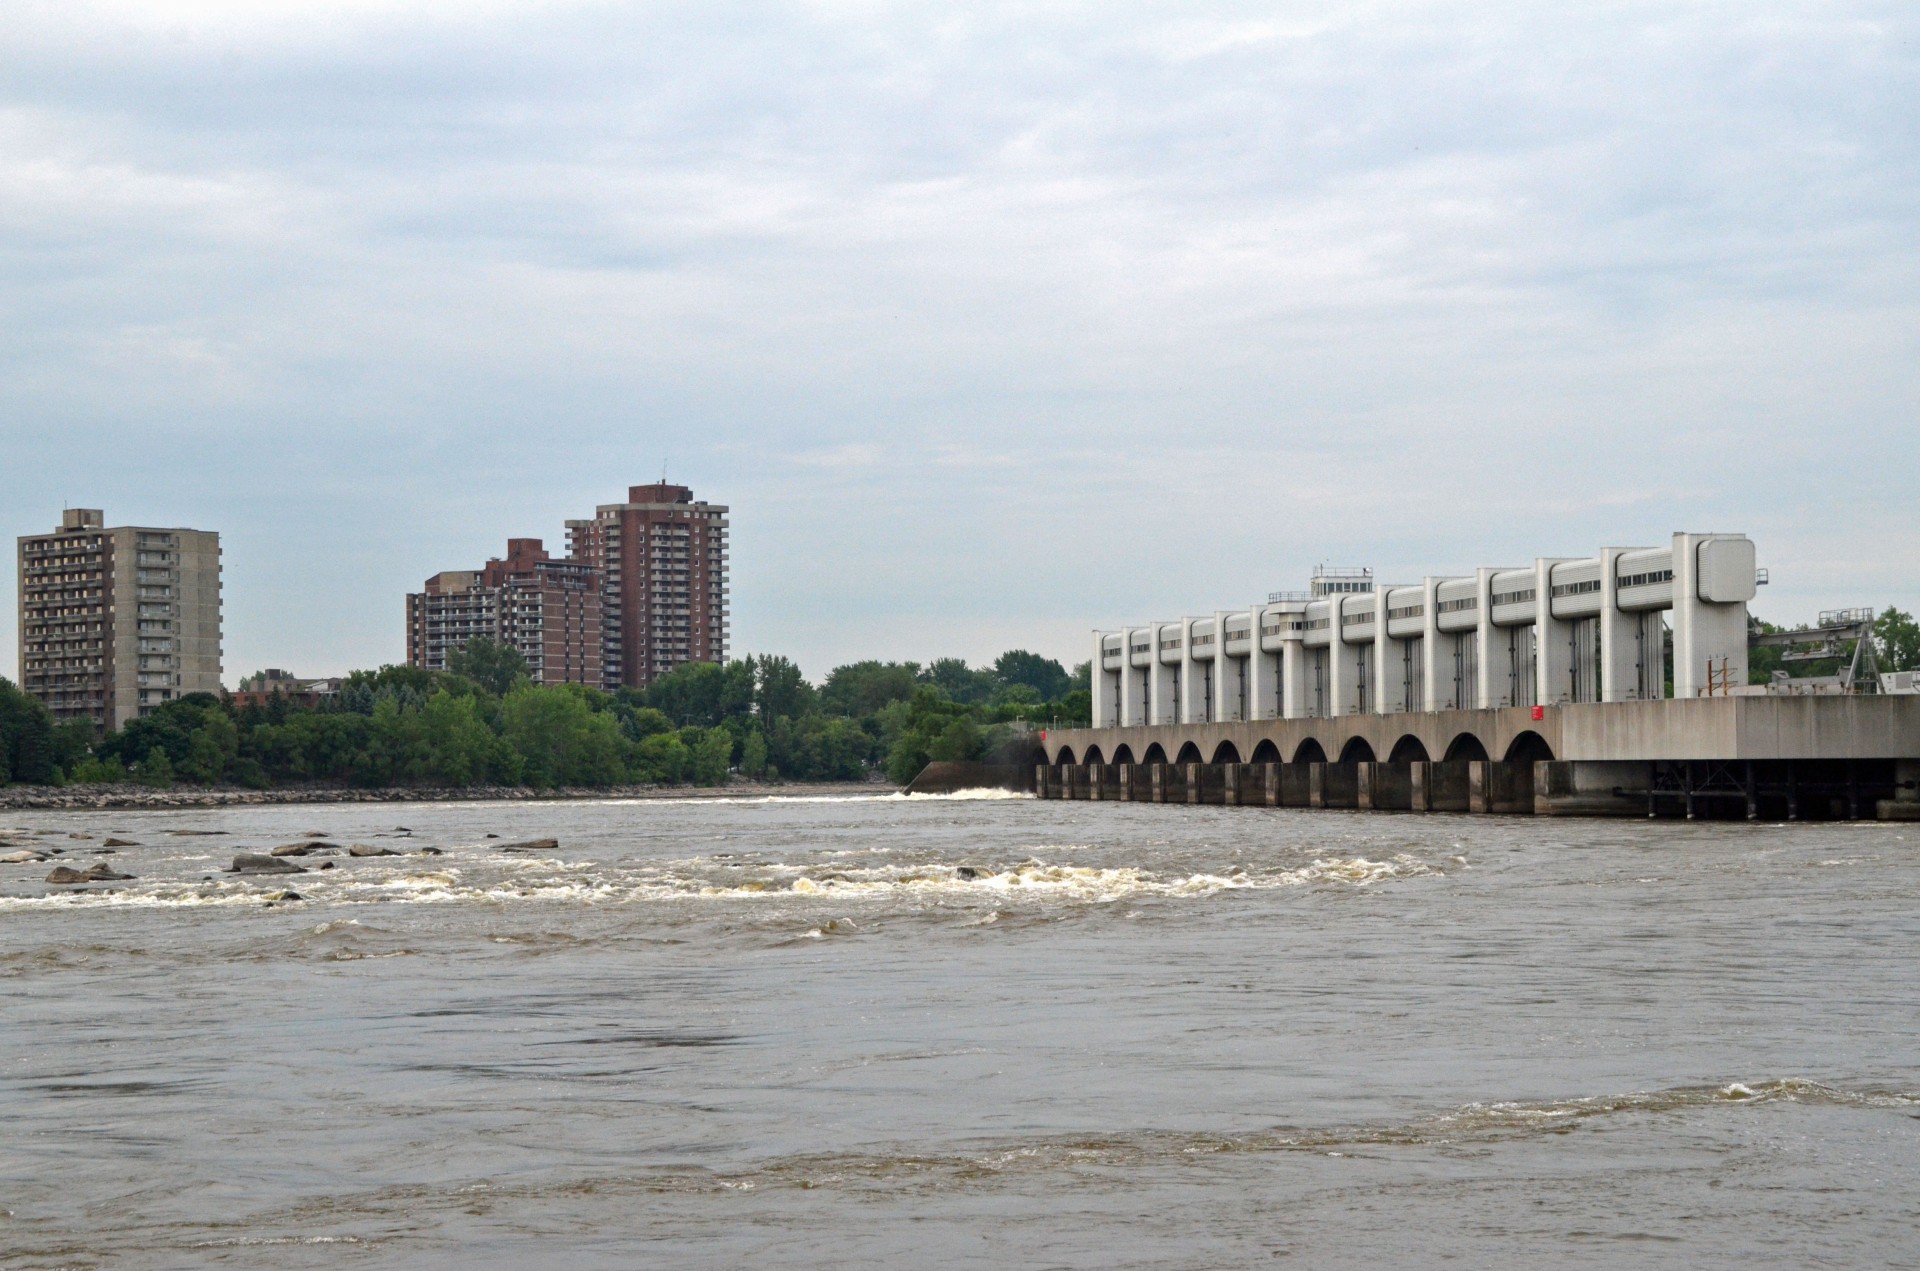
x: 974, y: 794
x: 725, y: 800
x: 1044, y: 880
x: 978, y: 794
x: 498, y: 880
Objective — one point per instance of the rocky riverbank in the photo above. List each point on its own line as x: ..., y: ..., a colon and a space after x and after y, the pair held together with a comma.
x: 126, y: 796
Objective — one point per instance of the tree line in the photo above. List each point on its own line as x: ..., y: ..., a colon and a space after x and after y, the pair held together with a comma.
x: 484, y: 722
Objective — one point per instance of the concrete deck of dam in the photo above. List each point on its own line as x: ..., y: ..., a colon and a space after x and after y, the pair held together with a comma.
x: 1793, y: 757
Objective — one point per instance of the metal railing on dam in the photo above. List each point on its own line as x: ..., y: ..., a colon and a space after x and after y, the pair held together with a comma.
x: 1752, y: 756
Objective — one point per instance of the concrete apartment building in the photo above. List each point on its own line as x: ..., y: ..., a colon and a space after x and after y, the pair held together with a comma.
x: 548, y: 610
x: 115, y: 622
x: 662, y: 559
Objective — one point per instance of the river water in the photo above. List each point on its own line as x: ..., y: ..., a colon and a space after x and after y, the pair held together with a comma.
x: 960, y: 1032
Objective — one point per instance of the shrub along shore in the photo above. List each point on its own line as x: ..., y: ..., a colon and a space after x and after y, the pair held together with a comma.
x: 131, y: 797
x: 482, y: 729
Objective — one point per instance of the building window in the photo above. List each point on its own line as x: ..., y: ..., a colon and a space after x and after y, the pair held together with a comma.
x: 1647, y: 579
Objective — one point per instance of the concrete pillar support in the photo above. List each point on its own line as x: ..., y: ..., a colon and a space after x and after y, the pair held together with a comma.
x: 1294, y: 677
x: 1343, y: 667
x: 1132, y: 705
x: 1490, y: 662
x: 1104, y: 695
x: 1712, y: 583
x: 1619, y: 642
x: 1432, y: 666
x: 1389, y: 685
x: 1263, y: 683
x: 1552, y: 637
x: 1164, y: 687
x: 1191, y: 702
x: 1220, y: 710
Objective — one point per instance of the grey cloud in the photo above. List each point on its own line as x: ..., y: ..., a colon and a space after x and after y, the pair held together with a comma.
x: 976, y: 317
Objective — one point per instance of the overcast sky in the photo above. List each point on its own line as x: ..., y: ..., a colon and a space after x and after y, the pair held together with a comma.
x: 992, y: 323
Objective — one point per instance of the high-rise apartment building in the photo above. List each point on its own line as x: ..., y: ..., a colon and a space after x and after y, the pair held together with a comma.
x: 117, y: 621
x: 549, y: 610
x: 662, y: 560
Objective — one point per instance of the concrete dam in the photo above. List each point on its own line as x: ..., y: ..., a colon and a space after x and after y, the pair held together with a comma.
x: 1552, y: 688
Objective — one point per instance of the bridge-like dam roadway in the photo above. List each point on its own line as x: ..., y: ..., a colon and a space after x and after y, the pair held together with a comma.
x: 1775, y: 757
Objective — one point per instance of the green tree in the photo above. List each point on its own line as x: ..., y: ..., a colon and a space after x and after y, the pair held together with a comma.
x: 198, y: 733
x: 1898, y: 636
x: 72, y: 744
x: 1762, y: 660
x: 1044, y: 676
x: 753, y: 754
x: 860, y: 689
x: 960, y: 682
x: 212, y: 747
x: 702, y: 694
x: 959, y: 741
x: 99, y: 772
x: 638, y: 723
x: 780, y: 691
x: 363, y: 690
x: 841, y: 751
x: 661, y: 759
x: 560, y: 739
x: 927, y: 721
x: 27, y: 739
x: 1018, y: 695
x: 458, y: 747
x: 155, y: 770
x: 498, y: 668
x: 712, y: 756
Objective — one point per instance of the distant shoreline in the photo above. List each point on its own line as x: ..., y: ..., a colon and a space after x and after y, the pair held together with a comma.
x: 137, y: 798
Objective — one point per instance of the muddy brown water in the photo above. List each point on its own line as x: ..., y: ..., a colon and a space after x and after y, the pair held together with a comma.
x: 951, y: 1032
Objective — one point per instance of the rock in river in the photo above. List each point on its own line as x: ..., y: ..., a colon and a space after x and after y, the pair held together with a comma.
x: 66, y: 875
x: 22, y: 857
x: 531, y: 845
x: 361, y: 849
x: 254, y: 863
